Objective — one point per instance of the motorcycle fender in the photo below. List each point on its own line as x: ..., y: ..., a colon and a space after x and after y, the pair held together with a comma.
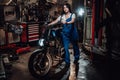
x: 38, y: 50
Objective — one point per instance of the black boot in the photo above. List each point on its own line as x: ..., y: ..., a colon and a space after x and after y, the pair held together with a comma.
x: 76, y: 61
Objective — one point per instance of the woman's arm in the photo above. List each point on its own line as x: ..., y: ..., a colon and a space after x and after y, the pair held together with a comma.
x: 73, y: 19
x: 54, y: 22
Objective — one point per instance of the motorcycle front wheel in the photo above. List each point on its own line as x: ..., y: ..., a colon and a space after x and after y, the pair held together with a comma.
x: 39, y: 64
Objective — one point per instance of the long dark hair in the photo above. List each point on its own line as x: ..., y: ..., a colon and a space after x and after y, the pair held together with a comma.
x: 68, y: 6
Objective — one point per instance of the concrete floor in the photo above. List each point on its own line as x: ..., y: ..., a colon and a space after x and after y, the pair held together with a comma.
x: 86, y: 69
x: 20, y: 68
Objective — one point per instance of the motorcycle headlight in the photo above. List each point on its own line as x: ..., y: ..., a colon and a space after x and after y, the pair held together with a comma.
x: 41, y: 42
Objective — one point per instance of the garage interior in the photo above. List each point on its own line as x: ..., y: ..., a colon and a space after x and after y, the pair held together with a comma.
x: 22, y: 23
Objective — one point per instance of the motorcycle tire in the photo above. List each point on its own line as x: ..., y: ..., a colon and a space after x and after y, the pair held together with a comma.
x: 39, y: 64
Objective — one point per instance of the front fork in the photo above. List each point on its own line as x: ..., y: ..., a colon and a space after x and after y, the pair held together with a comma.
x: 41, y: 60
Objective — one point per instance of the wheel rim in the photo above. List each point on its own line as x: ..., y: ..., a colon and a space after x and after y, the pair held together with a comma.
x: 41, y: 65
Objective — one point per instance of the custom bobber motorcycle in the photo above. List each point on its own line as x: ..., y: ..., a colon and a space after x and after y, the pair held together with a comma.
x: 50, y: 46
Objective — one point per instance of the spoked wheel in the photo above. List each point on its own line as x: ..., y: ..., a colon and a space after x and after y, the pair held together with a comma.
x: 39, y: 64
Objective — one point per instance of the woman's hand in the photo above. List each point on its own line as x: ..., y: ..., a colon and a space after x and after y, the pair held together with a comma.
x: 63, y: 22
x: 48, y: 24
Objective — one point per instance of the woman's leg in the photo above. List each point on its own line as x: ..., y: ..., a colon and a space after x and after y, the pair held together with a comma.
x: 76, y: 50
x: 66, y: 42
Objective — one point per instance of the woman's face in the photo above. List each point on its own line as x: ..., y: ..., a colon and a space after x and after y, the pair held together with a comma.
x: 66, y: 9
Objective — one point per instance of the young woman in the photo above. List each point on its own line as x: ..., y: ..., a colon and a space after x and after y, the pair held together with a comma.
x: 69, y: 32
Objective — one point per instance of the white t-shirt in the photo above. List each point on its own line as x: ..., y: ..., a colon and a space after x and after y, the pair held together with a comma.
x: 64, y: 18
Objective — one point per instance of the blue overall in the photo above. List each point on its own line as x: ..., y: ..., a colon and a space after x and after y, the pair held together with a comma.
x: 70, y: 35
